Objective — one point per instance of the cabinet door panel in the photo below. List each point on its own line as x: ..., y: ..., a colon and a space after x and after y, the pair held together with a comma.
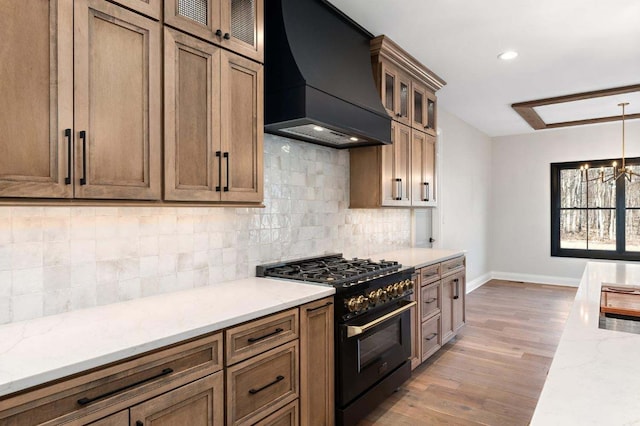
x: 36, y: 106
x: 121, y: 418
x: 396, y: 167
x: 243, y: 21
x: 423, y: 151
x: 192, y: 118
x: 200, y: 403
x: 150, y: 8
x: 242, y: 129
x: 117, y: 103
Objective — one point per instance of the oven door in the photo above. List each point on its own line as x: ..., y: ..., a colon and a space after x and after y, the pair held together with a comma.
x: 371, y: 347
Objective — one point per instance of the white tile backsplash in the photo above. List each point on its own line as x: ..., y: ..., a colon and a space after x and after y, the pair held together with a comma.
x: 56, y: 259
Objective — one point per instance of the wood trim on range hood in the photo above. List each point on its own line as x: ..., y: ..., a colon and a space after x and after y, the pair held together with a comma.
x: 526, y: 109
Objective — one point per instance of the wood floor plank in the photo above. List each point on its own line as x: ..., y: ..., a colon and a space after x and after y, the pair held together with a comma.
x: 493, y: 372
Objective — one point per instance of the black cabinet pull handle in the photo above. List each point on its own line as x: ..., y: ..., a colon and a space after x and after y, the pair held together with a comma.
x: 457, y: 295
x: 319, y: 307
x: 255, y: 391
x: 426, y: 191
x: 398, y: 114
x: 219, y: 32
x: 431, y: 336
x: 226, y: 36
x: 67, y: 134
x: 433, y: 299
x: 139, y: 423
x: 83, y: 136
x: 257, y: 339
x: 85, y: 401
x: 219, y: 155
x: 226, y: 156
x: 398, y: 189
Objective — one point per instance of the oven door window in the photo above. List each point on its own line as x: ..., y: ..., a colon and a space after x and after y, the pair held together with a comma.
x: 373, y: 346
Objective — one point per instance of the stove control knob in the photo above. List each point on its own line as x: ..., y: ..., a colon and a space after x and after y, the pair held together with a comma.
x: 362, y: 302
x: 373, y: 297
x: 409, y: 284
x: 352, y: 304
x: 397, y: 289
x: 382, y: 295
x: 402, y: 287
x: 390, y: 291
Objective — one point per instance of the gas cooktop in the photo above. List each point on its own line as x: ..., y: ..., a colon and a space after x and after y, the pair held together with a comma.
x: 330, y: 269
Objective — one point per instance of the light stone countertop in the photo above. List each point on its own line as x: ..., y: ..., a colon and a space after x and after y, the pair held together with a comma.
x: 595, y: 374
x: 40, y: 350
x: 418, y: 257
x: 36, y: 351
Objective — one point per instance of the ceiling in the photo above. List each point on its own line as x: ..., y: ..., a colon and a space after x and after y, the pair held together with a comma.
x: 564, y: 46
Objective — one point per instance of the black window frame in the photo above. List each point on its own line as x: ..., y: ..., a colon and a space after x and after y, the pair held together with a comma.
x: 620, y: 212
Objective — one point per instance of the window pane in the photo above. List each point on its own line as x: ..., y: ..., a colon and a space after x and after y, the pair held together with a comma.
x: 573, y: 229
x: 602, y: 229
x: 573, y: 193
x: 600, y: 193
x: 632, y: 189
x: 632, y: 231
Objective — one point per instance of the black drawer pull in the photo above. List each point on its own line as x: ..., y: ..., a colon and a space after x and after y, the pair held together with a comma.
x: 226, y: 156
x: 67, y: 134
x: 139, y: 423
x: 319, y: 307
x: 219, y: 186
x: 255, y: 391
x: 257, y: 339
x: 85, y: 401
x: 431, y: 336
x: 433, y: 299
x: 83, y: 136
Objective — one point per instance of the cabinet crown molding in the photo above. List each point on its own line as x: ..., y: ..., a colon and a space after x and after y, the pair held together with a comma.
x: 383, y: 47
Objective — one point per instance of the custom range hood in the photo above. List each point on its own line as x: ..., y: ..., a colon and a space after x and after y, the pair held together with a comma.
x: 318, y: 80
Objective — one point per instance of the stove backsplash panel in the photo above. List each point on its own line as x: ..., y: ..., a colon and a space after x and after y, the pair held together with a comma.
x: 57, y: 259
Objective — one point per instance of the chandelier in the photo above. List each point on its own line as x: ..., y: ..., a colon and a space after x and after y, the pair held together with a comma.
x: 624, y: 170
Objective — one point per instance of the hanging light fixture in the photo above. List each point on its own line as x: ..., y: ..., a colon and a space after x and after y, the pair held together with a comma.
x: 618, y: 173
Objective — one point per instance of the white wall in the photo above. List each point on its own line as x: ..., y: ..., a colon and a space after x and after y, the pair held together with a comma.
x: 520, y: 217
x: 56, y: 259
x: 465, y: 193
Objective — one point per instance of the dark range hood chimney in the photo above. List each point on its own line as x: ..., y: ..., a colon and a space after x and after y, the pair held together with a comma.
x: 318, y: 80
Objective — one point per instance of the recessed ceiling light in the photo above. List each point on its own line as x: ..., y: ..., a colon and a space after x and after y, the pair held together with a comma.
x: 353, y: 139
x: 508, y: 55
x: 318, y: 128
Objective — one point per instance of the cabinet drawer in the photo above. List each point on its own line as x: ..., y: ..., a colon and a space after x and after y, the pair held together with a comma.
x: 247, y: 340
x: 429, y: 274
x: 452, y: 266
x: 90, y: 395
x: 262, y: 385
x: 430, y: 299
x: 286, y: 416
x: 431, y: 340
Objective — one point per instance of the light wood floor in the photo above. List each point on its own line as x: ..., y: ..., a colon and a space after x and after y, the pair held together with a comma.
x: 493, y: 372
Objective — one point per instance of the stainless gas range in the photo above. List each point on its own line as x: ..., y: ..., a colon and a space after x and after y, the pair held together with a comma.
x: 372, y: 325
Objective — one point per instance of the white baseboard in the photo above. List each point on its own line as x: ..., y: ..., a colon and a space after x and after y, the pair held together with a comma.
x: 482, y: 279
x: 536, y: 279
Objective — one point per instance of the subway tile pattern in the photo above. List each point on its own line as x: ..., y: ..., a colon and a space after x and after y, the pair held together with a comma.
x: 57, y: 259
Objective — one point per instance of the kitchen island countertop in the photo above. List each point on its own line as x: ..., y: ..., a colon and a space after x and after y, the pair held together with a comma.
x: 595, y: 373
x: 40, y: 350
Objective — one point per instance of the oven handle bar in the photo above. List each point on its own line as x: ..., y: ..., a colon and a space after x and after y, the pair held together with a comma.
x: 354, y: 330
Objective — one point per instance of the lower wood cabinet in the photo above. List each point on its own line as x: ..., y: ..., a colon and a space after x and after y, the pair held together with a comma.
x: 317, y: 363
x: 188, y: 383
x: 441, y: 300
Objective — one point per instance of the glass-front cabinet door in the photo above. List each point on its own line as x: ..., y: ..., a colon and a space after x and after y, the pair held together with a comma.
x: 236, y: 25
x: 395, y: 92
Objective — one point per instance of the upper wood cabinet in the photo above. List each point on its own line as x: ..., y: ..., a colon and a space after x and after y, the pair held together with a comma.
x: 237, y: 25
x: 117, y: 103
x: 36, y: 106
x: 402, y: 174
x: 81, y: 110
x: 213, y: 123
x: 407, y: 88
